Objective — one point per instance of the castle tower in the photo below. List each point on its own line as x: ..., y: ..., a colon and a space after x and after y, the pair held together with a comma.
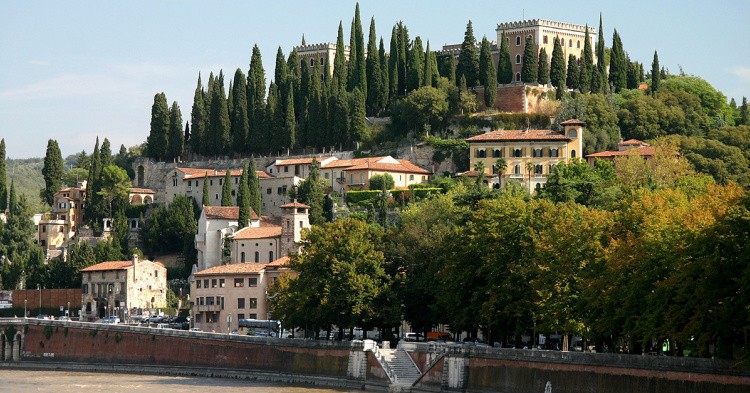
x: 294, y: 217
x: 574, y: 130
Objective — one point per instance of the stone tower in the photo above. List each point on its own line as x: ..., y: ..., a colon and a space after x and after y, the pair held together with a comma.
x: 294, y: 217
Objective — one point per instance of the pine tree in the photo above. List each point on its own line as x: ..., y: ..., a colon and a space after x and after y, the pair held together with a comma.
x: 158, y: 138
x: 633, y: 68
x: 358, y: 71
x: 485, y: 60
x: 274, y: 119
x: 253, y: 186
x: 743, y: 113
x: 529, y: 70
x: 468, y: 58
x: 316, y: 115
x: 488, y: 74
x: 176, y: 133
x: 543, y: 68
x: 618, y: 65
x: 243, y: 198
x: 294, y: 81
x: 571, y: 80
x: 240, y: 126
x: 384, y: 79
x: 339, y: 117
x: 504, y: 66
x: 600, y: 65
x: 256, y: 97
x: 206, y: 197
x: 415, y: 68
x: 587, y: 65
x: 339, y: 62
x: 53, y: 172
x: 434, y: 73
x: 198, y: 119
x: 557, y: 68
x: 655, y: 74
x: 226, y: 189
x: 403, y: 56
x: 3, y: 178
x: 304, y: 114
x: 373, y: 73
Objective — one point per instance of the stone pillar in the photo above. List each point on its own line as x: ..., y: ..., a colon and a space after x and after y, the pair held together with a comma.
x: 357, y: 367
x: 17, y: 343
x: 455, y: 372
x: 6, y: 349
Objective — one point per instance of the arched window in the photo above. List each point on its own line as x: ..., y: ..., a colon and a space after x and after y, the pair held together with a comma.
x: 312, y: 62
x: 322, y: 61
x: 481, y: 153
x: 572, y: 154
x: 570, y: 43
x: 572, y: 133
x: 257, y: 256
x: 518, y: 59
x: 538, y: 186
x: 518, y: 41
x: 517, y: 153
x: 578, y: 44
x: 517, y: 169
x: 538, y: 153
x: 544, y: 38
x: 270, y: 256
x: 518, y: 76
x: 242, y: 257
x: 497, y: 153
x: 538, y: 169
x: 551, y: 168
x: 554, y: 152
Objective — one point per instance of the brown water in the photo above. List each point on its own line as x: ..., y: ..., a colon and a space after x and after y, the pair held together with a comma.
x: 24, y: 381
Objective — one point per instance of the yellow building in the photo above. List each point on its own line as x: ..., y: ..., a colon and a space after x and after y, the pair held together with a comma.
x: 529, y: 155
x: 61, y: 223
x: 543, y: 34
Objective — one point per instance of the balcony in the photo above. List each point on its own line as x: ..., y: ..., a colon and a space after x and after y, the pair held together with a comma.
x: 209, y: 307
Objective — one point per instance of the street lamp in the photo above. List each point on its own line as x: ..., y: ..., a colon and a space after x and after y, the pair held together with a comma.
x: 24, y: 307
x: 67, y: 313
x: 39, y: 287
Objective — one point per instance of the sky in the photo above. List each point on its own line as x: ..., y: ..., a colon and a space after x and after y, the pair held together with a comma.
x: 74, y: 70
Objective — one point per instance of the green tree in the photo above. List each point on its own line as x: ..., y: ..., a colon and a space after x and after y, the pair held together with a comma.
x: 427, y: 73
x: 3, y: 178
x: 393, y: 81
x: 415, y: 68
x: 310, y: 192
x: 115, y: 184
x: 382, y: 182
x: 176, y: 141
x: 93, y: 186
x: 468, y: 58
x: 384, y: 77
x: 557, y: 69
x: 583, y: 184
x: 504, y: 67
x: 487, y: 74
x: 218, y: 119
x: 17, y: 242
x: 599, y: 74
x: 105, y: 153
x: 243, y: 199
x: 158, y: 138
x: 743, y: 113
x: 206, y: 198
x: 426, y: 106
x: 358, y: 68
x: 529, y: 68
x: 587, y: 65
x: 543, y: 68
x: 198, y: 119
x: 618, y: 64
x: 375, y: 100
x: 655, y: 74
x: 339, y: 63
x: 52, y: 171
x: 357, y: 116
x: 240, y: 126
x: 172, y: 229
x: 253, y: 186
x: 226, y: 189
x: 571, y: 80
x: 256, y: 98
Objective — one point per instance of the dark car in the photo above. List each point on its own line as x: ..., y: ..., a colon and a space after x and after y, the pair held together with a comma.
x: 180, y: 323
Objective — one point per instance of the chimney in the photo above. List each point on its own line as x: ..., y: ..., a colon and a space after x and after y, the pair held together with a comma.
x: 135, y: 260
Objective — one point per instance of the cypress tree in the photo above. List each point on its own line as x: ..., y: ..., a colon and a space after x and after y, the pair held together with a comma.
x: 339, y: 62
x: 253, y: 186
x: 281, y: 75
x: 105, y: 154
x: 488, y: 74
x: 393, y: 65
x: 315, y: 116
x: 485, y: 60
x: 339, y: 117
x: 3, y: 178
x: 403, y: 53
x: 358, y: 71
x: 53, y: 172
x: 655, y: 74
x: 198, y: 119
x: 529, y: 71
x: 600, y: 65
x: 90, y: 213
x: 743, y: 113
x: 374, y: 74
x: 187, y: 135
x: 358, y: 123
x: 584, y: 80
x: 290, y: 123
x: 218, y: 118
x: 543, y: 68
x: 274, y: 119
x: 414, y: 76
x: 239, y: 122
x: 243, y: 198
x: 571, y: 80
x: 176, y: 133
x: 294, y: 81
x: 427, y: 71
x: 304, y: 114
x: 159, y: 136
x: 557, y: 68
x: 468, y: 58
x: 256, y: 96
x: 384, y: 79
x: 206, y: 197
x: 618, y: 64
x: 434, y: 69
x: 226, y: 189
x: 633, y: 70
x: 504, y: 66
x: 452, y: 70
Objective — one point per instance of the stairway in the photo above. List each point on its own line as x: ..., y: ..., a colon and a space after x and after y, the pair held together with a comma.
x: 404, y: 371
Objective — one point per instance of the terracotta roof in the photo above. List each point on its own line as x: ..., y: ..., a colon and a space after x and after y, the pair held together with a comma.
x: 573, y: 122
x: 301, y: 161
x: 233, y: 268
x: 519, y: 135
x: 112, y: 265
x: 222, y: 212
x: 283, y: 261
x: 642, y: 151
x: 197, y: 173
x: 337, y: 164
x: 468, y: 174
x: 295, y: 204
x: 136, y: 190
x: 378, y: 164
x: 633, y: 142
x: 262, y: 232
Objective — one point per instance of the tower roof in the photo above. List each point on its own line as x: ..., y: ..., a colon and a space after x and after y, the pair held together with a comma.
x: 296, y: 205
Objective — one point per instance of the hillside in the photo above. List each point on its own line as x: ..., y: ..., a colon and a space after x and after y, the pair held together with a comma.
x: 26, y: 175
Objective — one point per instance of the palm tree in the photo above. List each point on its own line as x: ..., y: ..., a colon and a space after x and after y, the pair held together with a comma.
x: 500, y: 166
x: 529, y: 168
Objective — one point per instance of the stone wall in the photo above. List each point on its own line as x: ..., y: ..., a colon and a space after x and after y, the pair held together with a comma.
x: 50, y: 298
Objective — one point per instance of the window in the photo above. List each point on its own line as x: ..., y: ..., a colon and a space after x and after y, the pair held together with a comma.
x: 213, y: 283
x: 480, y: 153
x: 518, y: 41
x: 544, y: 39
x: 286, y: 168
x: 517, y: 169
x: 562, y: 42
x: 241, y: 303
x: 551, y: 168
x: 252, y: 282
x: 411, y: 177
x: 278, y: 190
x: 518, y: 59
x: 236, y: 180
x: 351, y: 179
x: 497, y: 153
x: 257, y: 256
x: 85, y: 288
x: 234, y: 193
x: 538, y: 153
x: 211, y: 182
x: 221, y: 283
x: 538, y: 186
x: 268, y: 191
x: 197, y: 283
x: 242, y: 257
x: 216, y: 196
x: 572, y: 133
x: 238, y: 282
x: 270, y: 256
x: 253, y: 316
x: 325, y: 175
x: 554, y: 152
x: 221, y: 182
x: 578, y: 44
x: 205, y: 283
x: 253, y: 303
x: 572, y: 154
x: 321, y: 61
x: 156, y: 273
x: 88, y: 307
x: 210, y: 301
x: 570, y: 43
x: 517, y: 153
x: 538, y: 169
x: 518, y: 76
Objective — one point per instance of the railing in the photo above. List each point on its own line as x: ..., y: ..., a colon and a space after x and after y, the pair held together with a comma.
x: 383, y: 363
x: 209, y: 307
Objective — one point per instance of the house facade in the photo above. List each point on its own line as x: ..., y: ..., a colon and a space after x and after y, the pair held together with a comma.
x: 529, y: 155
x: 355, y: 174
x: 61, y: 224
x: 624, y: 148
x: 123, y: 288
x: 267, y: 241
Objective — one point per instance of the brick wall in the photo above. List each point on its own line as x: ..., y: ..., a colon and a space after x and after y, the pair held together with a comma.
x: 50, y: 297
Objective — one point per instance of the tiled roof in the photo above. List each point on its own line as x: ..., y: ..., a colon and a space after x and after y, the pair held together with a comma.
x: 197, y: 173
x: 233, y: 268
x: 222, y: 212
x: 642, y: 151
x: 633, y: 142
x: 519, y: 135
x: 337, y: 164
x: 295, y: 204
x: 573, y: 122
x: 262, y: 232
x: 283, y: 261
x: 301, y: 161
x: 136, y: 190
x: 112, y: 265
x: 384, y: 163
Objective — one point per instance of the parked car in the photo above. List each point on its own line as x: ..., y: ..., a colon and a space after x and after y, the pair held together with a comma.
x: 43, y: 316
x: 413, y: 337
x: 180, y: 323
x: 110, y: 319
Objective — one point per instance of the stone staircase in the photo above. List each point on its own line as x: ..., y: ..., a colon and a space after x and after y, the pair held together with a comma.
x: 403, y: 371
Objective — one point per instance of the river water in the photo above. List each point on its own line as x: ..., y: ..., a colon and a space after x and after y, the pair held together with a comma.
x: 24, y: 381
